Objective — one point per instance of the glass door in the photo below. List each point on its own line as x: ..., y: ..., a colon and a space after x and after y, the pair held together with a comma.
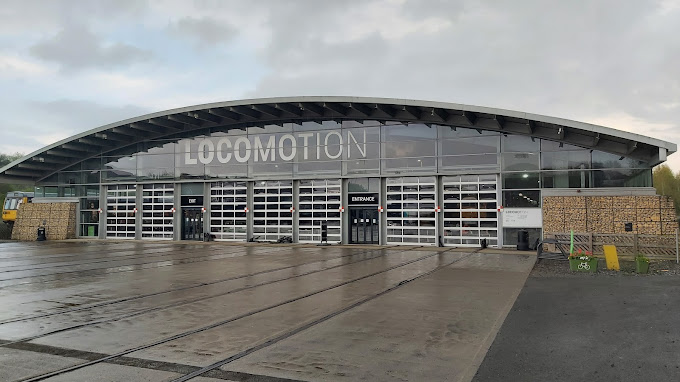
x: 364, y: 225
x: 192, y: 224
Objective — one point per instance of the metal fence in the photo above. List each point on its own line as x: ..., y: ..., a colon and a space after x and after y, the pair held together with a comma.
x: 659, y: 247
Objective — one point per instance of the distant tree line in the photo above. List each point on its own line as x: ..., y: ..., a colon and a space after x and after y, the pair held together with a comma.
x: 667, y: 183
x: 6, y: 159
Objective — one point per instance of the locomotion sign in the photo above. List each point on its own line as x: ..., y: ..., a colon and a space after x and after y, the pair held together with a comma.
x: 300, y: 146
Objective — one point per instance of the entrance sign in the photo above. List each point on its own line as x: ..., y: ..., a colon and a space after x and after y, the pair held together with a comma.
x: 364, y: 198
x: 522, y: 218
x: 272, y: 148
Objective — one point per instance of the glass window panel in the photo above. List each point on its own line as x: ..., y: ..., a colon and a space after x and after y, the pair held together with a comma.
x: 325, y: 125
x: 565, y: 160
x: 408, y: 133
x: 371, y: 166
x: 520, y: 161
x: 520, y: 143
x: 145, y: 160
x: 622, y: 178
x: 547, y: 145
x: 409, y: 149
x: 230, y: 171
x: 279, y: 169
x: 269, y: 129
x: 521, y: 180
x: 522, y: 198
x: 468, y: 161
x: 607, y: 160
x: 329, y: 167
x: 566, y: 179
x: 476, y: 145
x: 409, y: 165
x: 462, y: 132
x: 193, y: 172
x: 191, y: 188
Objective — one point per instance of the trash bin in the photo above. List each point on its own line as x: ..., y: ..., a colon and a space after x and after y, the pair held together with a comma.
x: 522, y: 240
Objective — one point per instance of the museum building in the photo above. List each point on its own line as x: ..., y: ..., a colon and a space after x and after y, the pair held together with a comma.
x: 374, y: 170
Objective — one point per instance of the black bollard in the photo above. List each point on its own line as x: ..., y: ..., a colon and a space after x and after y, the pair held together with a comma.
x: 41, y: 234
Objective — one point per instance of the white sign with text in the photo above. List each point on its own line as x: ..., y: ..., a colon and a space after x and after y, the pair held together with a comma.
x: 522, y: 218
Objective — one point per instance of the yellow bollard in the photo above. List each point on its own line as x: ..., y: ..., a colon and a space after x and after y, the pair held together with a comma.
x: 611, y: 257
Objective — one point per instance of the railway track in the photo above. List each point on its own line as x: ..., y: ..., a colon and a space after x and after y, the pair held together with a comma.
x: 172, y: 290
x: 191, y: 300
x: 258, y: 346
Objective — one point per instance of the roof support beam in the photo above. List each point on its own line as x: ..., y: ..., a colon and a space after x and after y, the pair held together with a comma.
x: 245, y: 111
x: 314, y: 108
x: 111, y: 136
x: 223, y: 113
x: 288, y: 108
x: 387, y: 109
x: 18, y: 172
x: 181, y: 118
x: 95, y: 141
x: 336, y: 107
x: 62, y: 152
x: 414, y: 111
x: 470, y: 117
x: 361, y: 108
x: 80, y: 147
x: 127, y: 130
x: 205, y: 116
x: 148, y: 127
x: 531, y: 126
x: 442, y: 114
x: 51, y: 159
x: 500, y: 121
x: 36, y: 165
x: 269, y: 110
x: 163, y: 122
x: 596, y: 140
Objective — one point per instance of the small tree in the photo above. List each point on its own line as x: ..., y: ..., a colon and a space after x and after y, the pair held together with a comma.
x: 667, y: 183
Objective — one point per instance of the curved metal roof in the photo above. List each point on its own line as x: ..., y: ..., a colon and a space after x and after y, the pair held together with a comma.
x: 242, y: 113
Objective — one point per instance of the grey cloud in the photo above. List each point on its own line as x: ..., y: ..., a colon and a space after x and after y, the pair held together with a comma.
x: 57, y: 119
x: 80, y: 115
x: 204, y: 31
x: 76, y: 47
x: 13, y: 13
x: 577, y: 59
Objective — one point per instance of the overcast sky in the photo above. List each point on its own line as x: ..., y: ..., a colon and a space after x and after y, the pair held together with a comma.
x: 69, y: 66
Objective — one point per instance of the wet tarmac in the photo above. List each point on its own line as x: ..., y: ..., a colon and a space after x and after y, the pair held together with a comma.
x: 157, y: 311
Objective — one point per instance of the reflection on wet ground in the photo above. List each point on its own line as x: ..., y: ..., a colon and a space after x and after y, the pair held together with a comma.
x: 226, y: 311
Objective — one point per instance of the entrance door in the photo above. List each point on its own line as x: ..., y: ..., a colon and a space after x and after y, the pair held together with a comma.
x: 364, y: 226
x: 192, y: 224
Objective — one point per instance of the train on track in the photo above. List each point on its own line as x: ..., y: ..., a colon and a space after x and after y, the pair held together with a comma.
x: 11, y: 205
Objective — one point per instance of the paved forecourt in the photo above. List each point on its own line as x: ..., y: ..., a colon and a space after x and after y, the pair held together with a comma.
x: 166, y: 311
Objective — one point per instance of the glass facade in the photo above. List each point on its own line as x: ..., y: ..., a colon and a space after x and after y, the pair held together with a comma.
x: 436, y: 183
